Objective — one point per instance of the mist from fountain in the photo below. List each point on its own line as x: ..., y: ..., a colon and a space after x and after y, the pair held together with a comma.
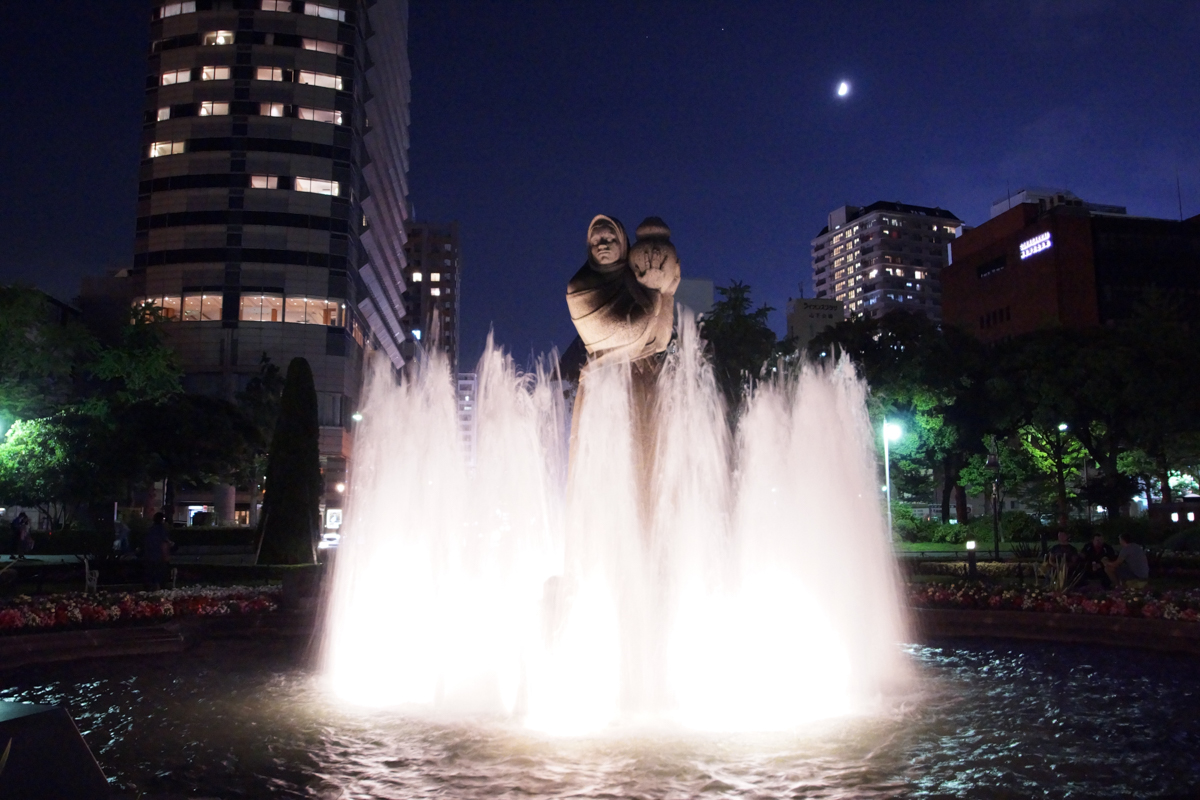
x: 759, y: 594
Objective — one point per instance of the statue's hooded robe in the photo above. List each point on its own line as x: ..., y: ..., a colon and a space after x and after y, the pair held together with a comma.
x: 609, y: 307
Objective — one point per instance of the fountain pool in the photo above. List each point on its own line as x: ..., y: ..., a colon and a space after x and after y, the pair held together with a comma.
x: 985, y: 719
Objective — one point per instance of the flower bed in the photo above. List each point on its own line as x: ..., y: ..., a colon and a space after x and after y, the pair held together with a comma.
x: 78, y: 610
x: 1172, y: 605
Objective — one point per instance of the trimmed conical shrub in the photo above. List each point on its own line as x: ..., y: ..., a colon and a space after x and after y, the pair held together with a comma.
x: 290, y: 519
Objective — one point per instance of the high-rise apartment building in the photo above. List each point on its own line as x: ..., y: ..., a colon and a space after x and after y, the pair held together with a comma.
x: 273, y: 193
x: 882, y: 257
x: 432, y: 277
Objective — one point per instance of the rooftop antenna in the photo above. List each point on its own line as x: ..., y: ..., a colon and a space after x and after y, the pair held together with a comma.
x: 1179, y: 194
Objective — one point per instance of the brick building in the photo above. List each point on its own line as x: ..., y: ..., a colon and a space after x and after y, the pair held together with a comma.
x: 1039, y: 265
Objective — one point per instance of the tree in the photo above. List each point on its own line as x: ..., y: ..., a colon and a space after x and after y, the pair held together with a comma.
x: 139, y: 367
x: 739, y: 339
x: 185, y: 439
x: 932, y: 380
x: 1165, y: 427
x: 291, y: 504
x: 259, y: 402
x: 41, y: 351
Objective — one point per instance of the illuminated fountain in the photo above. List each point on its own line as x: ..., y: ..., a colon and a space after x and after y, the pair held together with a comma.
x: 742, y: 582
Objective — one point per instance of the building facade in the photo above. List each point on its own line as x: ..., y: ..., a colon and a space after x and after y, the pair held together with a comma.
x: 1046, y: 199
x: 273, y: 194
x: 467, y: 394
x: 1037, y: 266
x: 432, y: 277
x: 808, y: 317
x: 882, y: 257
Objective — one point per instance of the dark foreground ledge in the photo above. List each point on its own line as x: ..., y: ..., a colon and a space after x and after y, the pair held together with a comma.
x: 172, y: 637
x: 1149, y: 634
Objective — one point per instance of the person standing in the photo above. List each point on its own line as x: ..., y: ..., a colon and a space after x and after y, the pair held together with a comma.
x: 156, y: 553
x: 120, y: 538
x: 22, y: 539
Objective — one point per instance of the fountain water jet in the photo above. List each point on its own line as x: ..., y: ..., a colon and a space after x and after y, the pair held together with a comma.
x: 759, y: 594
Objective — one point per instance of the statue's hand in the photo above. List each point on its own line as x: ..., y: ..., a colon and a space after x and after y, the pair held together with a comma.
x: 646, y: 299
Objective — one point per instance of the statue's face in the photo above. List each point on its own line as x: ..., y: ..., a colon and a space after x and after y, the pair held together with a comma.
x: 605, y: 245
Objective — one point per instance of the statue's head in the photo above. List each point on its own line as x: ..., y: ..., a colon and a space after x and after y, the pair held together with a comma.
x: 653, y: 258
x: 608, y: 246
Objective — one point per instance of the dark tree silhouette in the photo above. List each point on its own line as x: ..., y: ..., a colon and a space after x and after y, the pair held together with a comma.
x: 289, y: 523
x: 739, y: 340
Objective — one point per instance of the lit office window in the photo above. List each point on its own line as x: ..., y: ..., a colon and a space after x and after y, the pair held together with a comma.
x: 176, y: 76
x: 175, y: 9
x: 435, y: 292
x: 270, y: 109
x: 201, y: 307
x: 322, y: 46
x: 314, y: 311
x: 324, y: 12
x: 172, y: 308
x: 418, y: 277
x: 264, y: 182
x: 277, y: 5
x: 316, y: 186
x: 321, y: 115
x: 435, y: 276
x: 164, y: 113
x: 262, y: 308
x: 166, y: 149
x: 215, y: 73
x: 268, y: 74
x: 322, y: 79
x: 213, y: 109
x: 218, y: 37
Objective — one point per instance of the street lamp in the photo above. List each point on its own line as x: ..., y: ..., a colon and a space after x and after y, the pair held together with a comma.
x: 891, y: 432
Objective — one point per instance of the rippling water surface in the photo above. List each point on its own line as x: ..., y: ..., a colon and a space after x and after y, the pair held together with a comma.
x: 987, y: 719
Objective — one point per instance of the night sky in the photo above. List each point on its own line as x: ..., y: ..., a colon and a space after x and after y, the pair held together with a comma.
x: 722, y: 118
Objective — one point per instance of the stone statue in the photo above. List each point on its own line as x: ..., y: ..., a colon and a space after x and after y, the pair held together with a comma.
x: 622, y: 300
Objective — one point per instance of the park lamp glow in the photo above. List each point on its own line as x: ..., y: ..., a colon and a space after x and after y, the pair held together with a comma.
x: 971, y: 544
x: 356, y: 416
x: 1062, y: 426
x: 892, y: 431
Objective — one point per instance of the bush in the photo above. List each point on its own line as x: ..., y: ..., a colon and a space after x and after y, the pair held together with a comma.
x: 908, y: 527
x: 1186, y: 540
x: 1017, y: 526
x: 1141, y: 530
x: 952, y: 534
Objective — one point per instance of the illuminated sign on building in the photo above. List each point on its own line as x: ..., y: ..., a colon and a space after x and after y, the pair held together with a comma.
x: 1035, y: 245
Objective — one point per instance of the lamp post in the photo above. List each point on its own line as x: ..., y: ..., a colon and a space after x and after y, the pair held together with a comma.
x: 891, y: 432
x: 993, y: 463
x: 972, y: 569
